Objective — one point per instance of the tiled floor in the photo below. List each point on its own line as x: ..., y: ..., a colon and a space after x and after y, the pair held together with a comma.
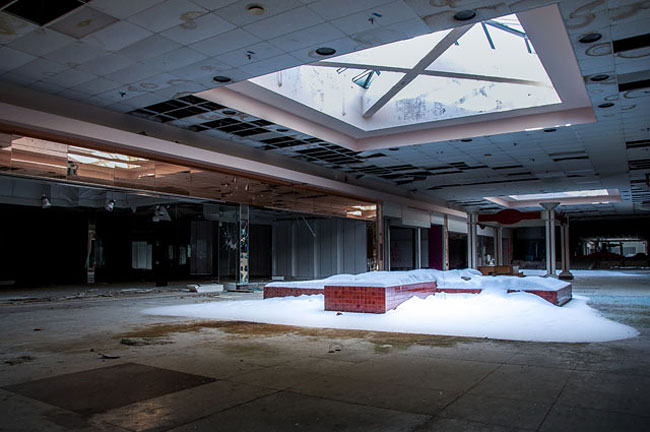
x: 274, y: 378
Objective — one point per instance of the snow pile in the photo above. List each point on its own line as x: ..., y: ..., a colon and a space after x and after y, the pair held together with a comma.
x: 466, y: 278
x: 491, y: 314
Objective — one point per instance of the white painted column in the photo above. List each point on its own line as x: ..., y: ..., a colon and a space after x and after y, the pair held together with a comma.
x: 549, y: 223
x: 445, y: 244
x: 566, y: 253
x: 381, y: 249
x: 472, y: 238
x: 418, y: 248
x: 498, y: 245
x: 387, y: 263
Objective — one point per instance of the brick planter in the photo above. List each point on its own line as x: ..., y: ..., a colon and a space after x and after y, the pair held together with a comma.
x: 271, y: 292
x: 367, y: 299
x: 558, y: 298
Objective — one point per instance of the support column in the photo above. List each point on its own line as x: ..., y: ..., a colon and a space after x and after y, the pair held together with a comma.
x: 549, y: 219
x: 244, y: 213
x: 498, y: 246
x: 445, y: 244
x: 418, y: 248
x: 472, y: 243
x: 90, y: 251
x: 387, y: 243
x: 380, y: 237
x: 566, y: 252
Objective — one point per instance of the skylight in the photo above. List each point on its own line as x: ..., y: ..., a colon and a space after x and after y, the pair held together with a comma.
x: 559, y: 195
x: 476, y: 69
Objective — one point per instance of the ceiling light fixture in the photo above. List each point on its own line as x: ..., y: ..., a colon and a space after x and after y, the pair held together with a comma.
x: 282, y: 130
x: 465, y: 15
x: 590, y: 38
x: 599, y: 77
x: 550, y: 130
x: 325, y: 51
x: 256, y: 9
x: 221, y: 79
x: 229, y: 112
x: 45, y: 202
x: 606, y: 105
x: 466, y: 139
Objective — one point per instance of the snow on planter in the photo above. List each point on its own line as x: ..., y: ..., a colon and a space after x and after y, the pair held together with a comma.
x: 378, y: 292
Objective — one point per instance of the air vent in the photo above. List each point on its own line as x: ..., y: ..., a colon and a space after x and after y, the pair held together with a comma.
x: 631, y: 43
x: 637, y: 144
x: 639, y: 164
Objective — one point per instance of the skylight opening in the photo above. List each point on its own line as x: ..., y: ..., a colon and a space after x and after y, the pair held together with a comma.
x: 560, y: 195
x: 482, y: 68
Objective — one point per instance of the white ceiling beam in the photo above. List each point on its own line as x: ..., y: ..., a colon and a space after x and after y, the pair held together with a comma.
x: 436, y: 52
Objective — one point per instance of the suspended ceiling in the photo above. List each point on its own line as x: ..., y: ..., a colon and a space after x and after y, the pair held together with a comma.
x: 143, y: 57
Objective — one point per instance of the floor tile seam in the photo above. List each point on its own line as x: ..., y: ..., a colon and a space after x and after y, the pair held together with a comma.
x: 298, y: 393
x: 449, y: 358
x: 507, y: 426
x: 471, y: 388
x: 541, y: 367
x: 613, y: 373
x: 554, y: 403
x: 611, y: 411
x: 220, y: 411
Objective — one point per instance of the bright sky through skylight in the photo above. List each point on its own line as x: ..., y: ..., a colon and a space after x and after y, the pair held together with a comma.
x: 491, y: 67
x: 558, y: 195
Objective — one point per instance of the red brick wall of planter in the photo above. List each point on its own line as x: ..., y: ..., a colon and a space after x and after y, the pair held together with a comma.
x: 373, y: 299
x: 271, y: 292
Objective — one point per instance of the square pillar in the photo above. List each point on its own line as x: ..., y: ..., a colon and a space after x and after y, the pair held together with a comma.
x: 498, y: 245
x: 565, y: 274
x: 472, y: 243
x: 549, y: 224
x: 380, y: 237
x: 244, y: 215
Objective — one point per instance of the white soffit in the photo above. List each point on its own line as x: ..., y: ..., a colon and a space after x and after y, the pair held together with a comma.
x: 543, y: 26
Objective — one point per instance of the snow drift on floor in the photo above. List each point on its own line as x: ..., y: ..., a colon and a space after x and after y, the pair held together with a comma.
x: 491, y: 314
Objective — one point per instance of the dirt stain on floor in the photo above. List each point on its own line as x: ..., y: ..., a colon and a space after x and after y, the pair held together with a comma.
x: 383, y: 341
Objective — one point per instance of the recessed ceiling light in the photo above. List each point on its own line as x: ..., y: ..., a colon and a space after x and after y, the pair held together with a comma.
x: 229, y: 112
x: 465, y: 15
x: 221, y: 79
x: 550, y: 130
x: 606, y: 105
x: 282, y: 130
x: 599, y: 77
x: 466, y: 139
x: 393, y: 148
x: 255, y: 9
x: 590, y: 38
x: 325, y: 51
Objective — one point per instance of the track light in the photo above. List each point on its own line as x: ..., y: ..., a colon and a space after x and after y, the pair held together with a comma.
x: 110, y: 205
x: 45, y: 202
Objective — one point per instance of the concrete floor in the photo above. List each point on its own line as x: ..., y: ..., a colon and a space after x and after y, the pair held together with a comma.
x: 135, y: 372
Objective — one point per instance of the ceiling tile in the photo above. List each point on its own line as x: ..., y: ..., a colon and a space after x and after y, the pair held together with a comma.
x: 74, y: 54
x: 13, y: 28
x: 307, y: 37
x: 131, y: 74
x: 151, y: 46
x: 284, y: 23
x: 175, y: 59
x: 198, y: 29
x: 237, y: 13
x: 41, y: 41
x: 123, y: 9
x: 117, y: 36
x: 332, y: 9
x: 70, y: 78
x: 106, y: 64
x: 256, y: 52
x: 168, y: 14
x: 82, y: 22
x: 225, y: 42
x: 96, y: 86
x: 12, y: 59
x: 40, y: 69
